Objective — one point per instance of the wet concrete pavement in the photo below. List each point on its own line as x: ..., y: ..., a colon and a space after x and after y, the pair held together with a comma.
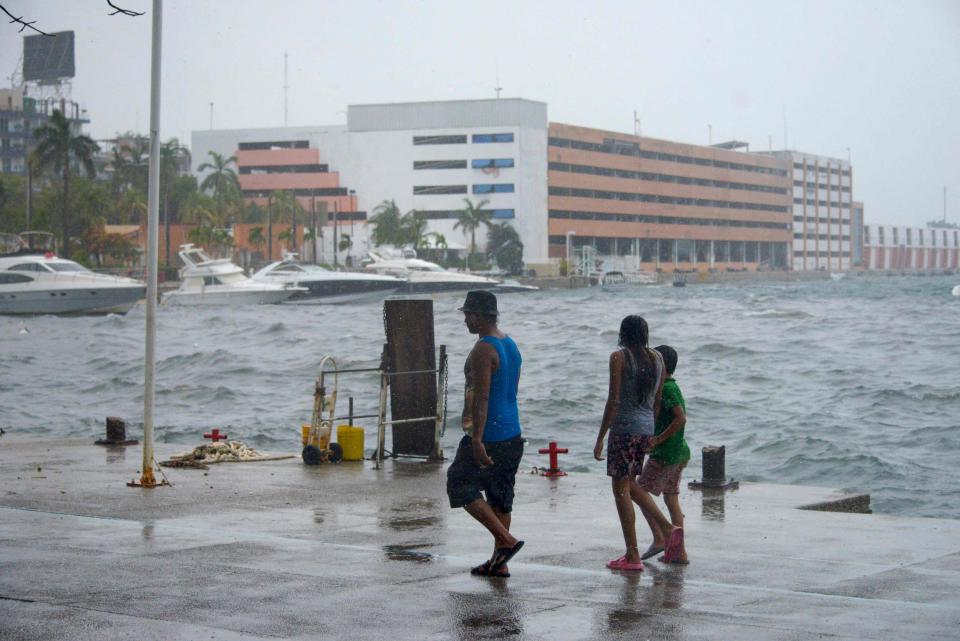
x: 280, y: 550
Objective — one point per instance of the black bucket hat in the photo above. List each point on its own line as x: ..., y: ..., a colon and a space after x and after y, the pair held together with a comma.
x: 480, y: 302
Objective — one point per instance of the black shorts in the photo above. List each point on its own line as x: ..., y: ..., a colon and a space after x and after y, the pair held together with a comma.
x: 466, y: 479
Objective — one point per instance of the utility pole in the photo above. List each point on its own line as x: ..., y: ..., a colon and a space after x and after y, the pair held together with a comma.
x: 153, y: 223
x: 285, y: 87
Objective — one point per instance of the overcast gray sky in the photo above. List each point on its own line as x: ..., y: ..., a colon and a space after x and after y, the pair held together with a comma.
x: 879, y: 78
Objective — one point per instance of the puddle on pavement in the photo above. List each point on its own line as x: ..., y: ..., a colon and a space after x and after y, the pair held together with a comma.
x: 413, y: 553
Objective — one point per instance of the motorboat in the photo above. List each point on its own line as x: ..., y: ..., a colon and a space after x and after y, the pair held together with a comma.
x: 422, y: 276
x: 510, y: 286
x: 956, y: 290
x: 613, y: 281
x: 33, y: 280
x: 210, y: 281
x: 837, y: 275
x: 324, y: 286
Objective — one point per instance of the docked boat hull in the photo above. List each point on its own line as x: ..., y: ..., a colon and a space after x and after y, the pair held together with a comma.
x: 334, y: 292
x: 79, y: 301
x: 210, y: 296
x: 435, y: 287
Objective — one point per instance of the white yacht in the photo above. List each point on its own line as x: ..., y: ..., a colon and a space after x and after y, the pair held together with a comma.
x: 34, y: 281
x: 422, y: 276
x: 324, y: 286
x: 613, y: 281
x: 956, y: 291
x: 208, y: 281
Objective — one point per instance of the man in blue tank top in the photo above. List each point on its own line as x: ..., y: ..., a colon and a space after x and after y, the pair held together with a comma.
x: 482, y: 475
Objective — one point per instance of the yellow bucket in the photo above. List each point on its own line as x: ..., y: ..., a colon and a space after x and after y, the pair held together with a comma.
x: 306, y: 433
x: 351, y: 440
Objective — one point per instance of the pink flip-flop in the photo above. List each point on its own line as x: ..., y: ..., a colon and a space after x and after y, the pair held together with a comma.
x: 674, y: 545
x: 623, y: 564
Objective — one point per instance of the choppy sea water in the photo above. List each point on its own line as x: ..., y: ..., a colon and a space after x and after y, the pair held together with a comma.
x: 853, y: 384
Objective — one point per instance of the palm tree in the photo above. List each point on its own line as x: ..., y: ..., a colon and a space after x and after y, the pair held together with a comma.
x: 286, y: 236
x: 413, y: 226
x: 170, y: 154
x: 504, y: 246
x: 56, y: 146
x: 469, y: 220
x: 256, y: 238
x: 286, y: 207
x: 131, y: 206
x: 221, y: 180
x: 387, y: 226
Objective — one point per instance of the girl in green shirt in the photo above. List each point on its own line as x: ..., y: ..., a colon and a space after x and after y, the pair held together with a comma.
x: 668, y: 457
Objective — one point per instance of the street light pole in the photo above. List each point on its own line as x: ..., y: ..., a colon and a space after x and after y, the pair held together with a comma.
x: 569, y: 244
x: 336, y: 252
x: 153, y: 223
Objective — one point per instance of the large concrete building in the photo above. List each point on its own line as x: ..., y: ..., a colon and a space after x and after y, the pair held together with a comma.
x: 636, y: 203
x: 891, y: 247
x: 20, y: 115
x: 822, y: 195
x: 425, y: 156
x: 644, y: 203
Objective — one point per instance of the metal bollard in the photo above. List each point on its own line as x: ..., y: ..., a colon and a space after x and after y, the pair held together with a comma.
x: 116, y: 433
x: 714, y: 470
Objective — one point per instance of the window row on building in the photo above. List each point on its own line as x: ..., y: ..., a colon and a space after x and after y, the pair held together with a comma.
x: 309, y: 191
x: 486, y: 188
x: 836, y: 171
x: 478, y: 163
x: 284, y: 169
x: 811, y: 220
x: 663, y: 220
x: 612, y: 146
x: 674, y: 251
x: 662, y: 178
x: 821, y: 203
x: 809, y: 185
x: 668, y: 200
x: 919, y: 237
x: 271, y: 145
x: 461, y: 139
x: 809, y: 236
x: 454, y: 214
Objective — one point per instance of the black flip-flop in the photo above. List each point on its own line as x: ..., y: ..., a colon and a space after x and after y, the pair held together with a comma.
x: 484, y: 570
x: 653, y: 550
x: 503, y: 555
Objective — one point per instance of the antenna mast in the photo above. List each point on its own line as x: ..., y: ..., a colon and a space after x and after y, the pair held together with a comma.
x: 285, y: 87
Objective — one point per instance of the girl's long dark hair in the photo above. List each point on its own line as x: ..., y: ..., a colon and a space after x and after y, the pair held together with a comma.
x: 634, y: 335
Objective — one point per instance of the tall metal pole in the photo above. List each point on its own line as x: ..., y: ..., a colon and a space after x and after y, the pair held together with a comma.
x: 153, y: 220
x: 336, y: 250
x: 285, y: 87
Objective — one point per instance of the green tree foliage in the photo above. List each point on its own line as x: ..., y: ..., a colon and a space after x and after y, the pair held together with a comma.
x: 413, y: 228
x: 257, y: 238
x: 504, y: 247
x: 386, y: 224
x: 13, y: 203
x: 221, y: 182
x: 471, y: 217
x: 57, y: 149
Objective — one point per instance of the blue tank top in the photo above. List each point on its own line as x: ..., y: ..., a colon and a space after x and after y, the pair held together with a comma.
x: 503, y: 417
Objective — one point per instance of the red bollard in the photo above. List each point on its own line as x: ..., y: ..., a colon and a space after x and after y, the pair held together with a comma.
x: 215, y: 435
x: 553, y: 450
